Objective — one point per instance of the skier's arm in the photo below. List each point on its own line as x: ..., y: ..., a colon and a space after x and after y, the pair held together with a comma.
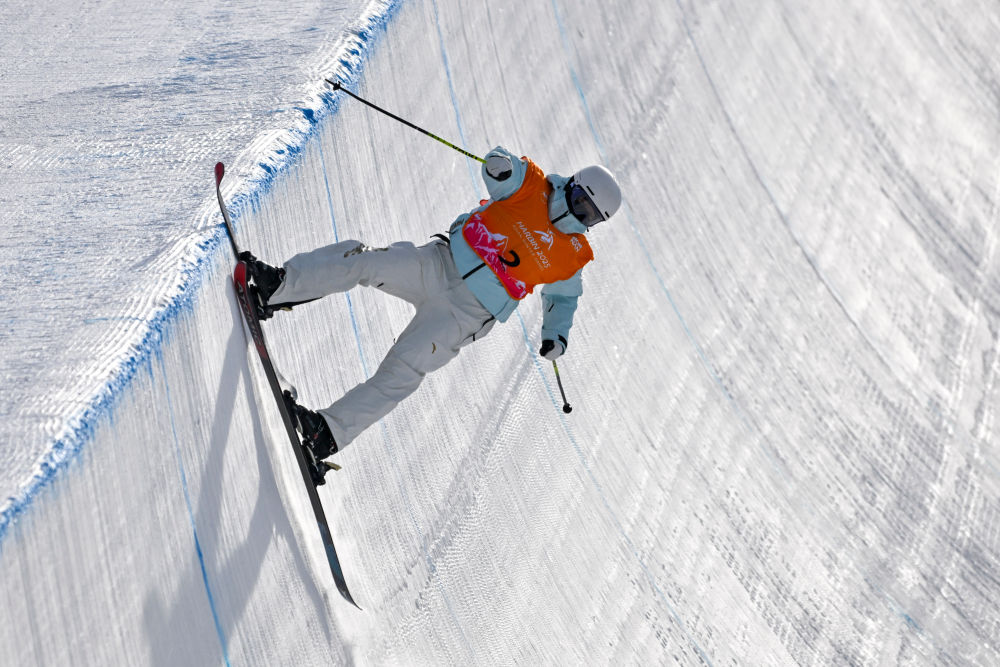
x: 503, y: 173
x: 558, y: 307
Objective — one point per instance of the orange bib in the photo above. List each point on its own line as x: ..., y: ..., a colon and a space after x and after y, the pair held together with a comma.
x: 515, y: 239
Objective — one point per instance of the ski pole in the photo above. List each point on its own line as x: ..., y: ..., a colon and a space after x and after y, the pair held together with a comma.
x: 336, y: 86
x: 566, y: 406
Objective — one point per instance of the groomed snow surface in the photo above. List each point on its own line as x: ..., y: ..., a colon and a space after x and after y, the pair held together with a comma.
x: 784, y: 371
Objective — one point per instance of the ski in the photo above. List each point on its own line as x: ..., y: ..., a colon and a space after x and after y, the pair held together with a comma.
x: 220, y: 171
x: 257, y: 334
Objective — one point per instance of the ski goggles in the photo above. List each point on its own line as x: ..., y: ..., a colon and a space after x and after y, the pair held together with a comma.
x: 581, y: 205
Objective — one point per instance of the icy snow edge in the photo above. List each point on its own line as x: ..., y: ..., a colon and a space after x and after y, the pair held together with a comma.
x: 270, y: 154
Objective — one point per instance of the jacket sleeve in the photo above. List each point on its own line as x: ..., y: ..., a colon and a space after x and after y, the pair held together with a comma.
x: 503, y: 173
x: 558, y: 307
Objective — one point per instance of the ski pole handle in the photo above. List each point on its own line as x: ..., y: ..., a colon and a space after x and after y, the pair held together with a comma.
x: 567, y: 408
x: 336, y: 86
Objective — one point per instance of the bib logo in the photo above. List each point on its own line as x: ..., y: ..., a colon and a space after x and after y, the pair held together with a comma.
x: 547, y: 238
x: 541, y: 259
x: 576, y: 244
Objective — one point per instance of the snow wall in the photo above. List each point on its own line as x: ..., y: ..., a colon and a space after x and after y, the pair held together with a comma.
x: 784, y: 369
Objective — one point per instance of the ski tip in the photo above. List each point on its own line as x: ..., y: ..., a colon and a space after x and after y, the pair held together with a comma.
x: 220, y: 171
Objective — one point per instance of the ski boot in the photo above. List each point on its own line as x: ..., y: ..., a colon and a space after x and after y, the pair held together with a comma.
x: 266, y: 281
x: 317, y: 440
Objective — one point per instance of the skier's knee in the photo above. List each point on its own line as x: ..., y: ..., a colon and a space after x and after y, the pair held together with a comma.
x: 357, y: 248
x: 396, y: 377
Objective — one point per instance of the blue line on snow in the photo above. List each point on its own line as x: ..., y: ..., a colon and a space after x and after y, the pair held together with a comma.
x: 628, y: 214
x: 713, y: 373
x: 336, y: 239
x: 538, y: 368
x: 190, y: 512
x: 620, y: 527
x: 431, y: 564
x: 454, y: 101
x: 564, y: 38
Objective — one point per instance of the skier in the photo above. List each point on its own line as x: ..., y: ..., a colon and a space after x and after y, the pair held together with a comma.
x: 530, y: 232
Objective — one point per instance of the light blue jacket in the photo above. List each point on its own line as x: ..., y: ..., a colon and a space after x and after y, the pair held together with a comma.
x: 504, y: 173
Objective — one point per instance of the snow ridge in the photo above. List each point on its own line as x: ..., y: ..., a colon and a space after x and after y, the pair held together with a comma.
x: 273, y: 154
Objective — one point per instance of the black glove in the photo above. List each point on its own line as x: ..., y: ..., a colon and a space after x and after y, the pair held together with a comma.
x: 553, y: 349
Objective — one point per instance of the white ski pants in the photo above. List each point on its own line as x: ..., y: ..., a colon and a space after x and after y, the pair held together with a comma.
x: 448, y: 317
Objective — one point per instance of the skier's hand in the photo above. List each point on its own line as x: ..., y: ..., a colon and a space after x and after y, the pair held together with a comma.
x: 552, y: 349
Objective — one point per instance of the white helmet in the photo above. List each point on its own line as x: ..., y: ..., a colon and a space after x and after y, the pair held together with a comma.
x: 593, y: 195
